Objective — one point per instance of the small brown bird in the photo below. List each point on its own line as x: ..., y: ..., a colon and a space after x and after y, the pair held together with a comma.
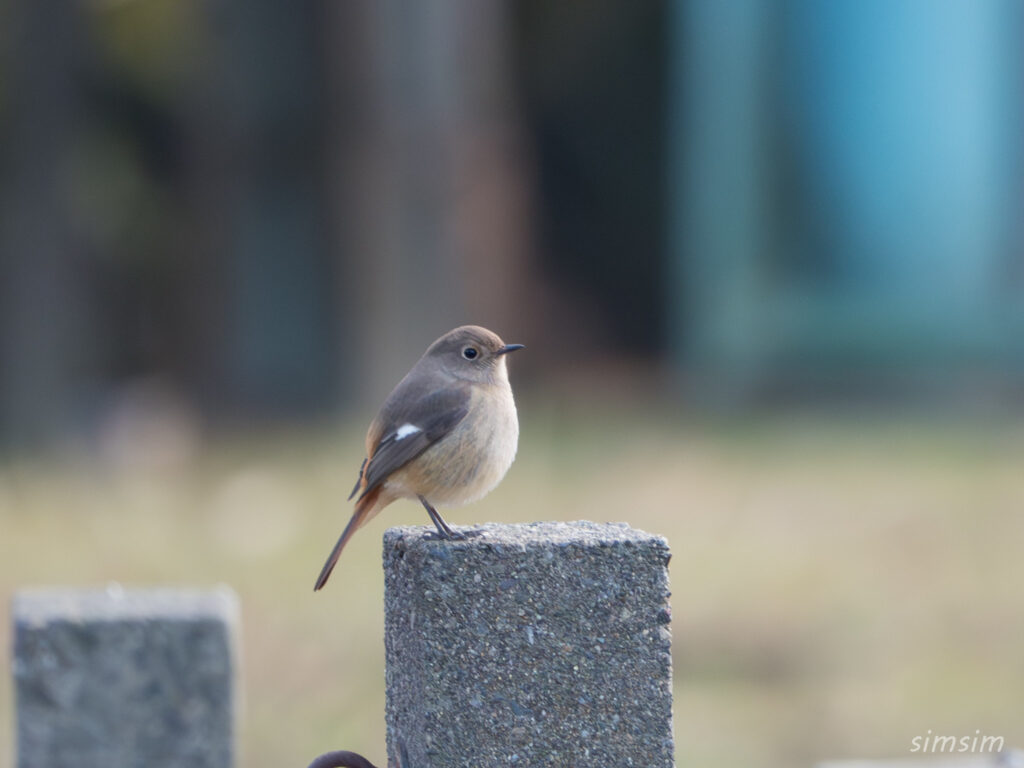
x: 446, y: 435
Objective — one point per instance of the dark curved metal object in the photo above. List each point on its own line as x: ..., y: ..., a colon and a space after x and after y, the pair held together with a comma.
x: 344, y: 759
x: 341, y: 759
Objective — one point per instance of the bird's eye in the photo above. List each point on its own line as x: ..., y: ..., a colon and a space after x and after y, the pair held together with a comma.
x: 470, y: 353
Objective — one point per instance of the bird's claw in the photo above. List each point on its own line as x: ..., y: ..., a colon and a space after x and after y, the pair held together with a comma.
x: 453, y: 535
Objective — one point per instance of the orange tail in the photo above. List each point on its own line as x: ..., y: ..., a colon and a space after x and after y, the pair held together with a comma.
x: 363, y: 512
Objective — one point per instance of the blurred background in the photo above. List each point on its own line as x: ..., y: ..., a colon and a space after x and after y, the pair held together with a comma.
x: 767, y: 259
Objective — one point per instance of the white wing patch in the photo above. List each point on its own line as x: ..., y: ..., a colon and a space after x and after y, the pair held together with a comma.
x: 405, y: 430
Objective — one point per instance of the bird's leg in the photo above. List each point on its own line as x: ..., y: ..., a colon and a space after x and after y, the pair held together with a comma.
x: 444, y: 531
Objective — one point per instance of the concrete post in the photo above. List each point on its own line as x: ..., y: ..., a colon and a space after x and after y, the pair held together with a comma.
x: 116, y: 679
x: 528, y: 645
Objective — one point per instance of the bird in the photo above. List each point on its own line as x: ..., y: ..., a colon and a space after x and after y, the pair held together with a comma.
x: 446, y: 435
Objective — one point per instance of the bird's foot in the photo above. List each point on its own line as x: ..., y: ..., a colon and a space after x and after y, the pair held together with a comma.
x: 453, y: 535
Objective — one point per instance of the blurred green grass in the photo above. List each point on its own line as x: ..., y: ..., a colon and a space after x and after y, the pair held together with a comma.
x: 839, y: 586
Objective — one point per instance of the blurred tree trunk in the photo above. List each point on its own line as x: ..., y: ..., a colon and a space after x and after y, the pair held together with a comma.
x: 428, y: 181
x: 46, y: 348
x: 262, y: 330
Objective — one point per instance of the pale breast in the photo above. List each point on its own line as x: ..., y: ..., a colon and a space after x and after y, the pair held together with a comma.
x: 470, y: 461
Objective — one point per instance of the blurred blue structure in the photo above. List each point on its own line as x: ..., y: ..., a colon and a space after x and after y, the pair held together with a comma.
x: 845, y: 192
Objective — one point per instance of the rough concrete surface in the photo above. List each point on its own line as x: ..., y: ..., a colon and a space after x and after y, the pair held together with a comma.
x: 529, y: 645
x: 118, y: 678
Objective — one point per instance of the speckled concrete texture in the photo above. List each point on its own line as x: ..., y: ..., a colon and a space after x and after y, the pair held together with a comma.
x: 117, y: 678
x: 534, y: 645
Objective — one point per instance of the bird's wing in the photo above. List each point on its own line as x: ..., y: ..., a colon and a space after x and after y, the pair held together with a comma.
x: 409, y: 424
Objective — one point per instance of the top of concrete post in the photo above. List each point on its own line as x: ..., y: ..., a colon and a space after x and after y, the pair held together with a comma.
x: 527, y: 535
x: 42, y: 605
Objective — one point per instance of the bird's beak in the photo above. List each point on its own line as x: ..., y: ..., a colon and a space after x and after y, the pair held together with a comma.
x: 508, y: 348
